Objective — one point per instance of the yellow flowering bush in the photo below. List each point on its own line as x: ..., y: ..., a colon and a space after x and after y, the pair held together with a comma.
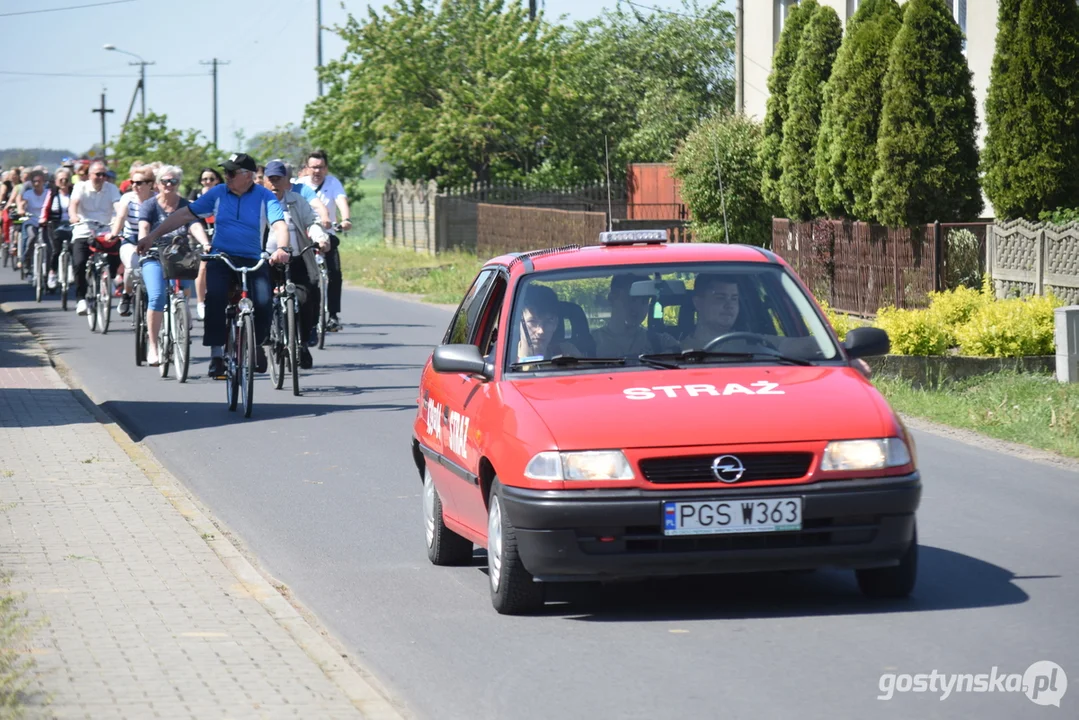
x: 1010, y: 328
x: 914, y: 332
x: 841, y: 322
x: 955, y: 307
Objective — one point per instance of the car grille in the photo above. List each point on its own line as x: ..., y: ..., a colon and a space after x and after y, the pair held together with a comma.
x: 698, y: 468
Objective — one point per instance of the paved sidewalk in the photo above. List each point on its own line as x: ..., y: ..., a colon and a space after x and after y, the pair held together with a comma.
x: 142, y: 618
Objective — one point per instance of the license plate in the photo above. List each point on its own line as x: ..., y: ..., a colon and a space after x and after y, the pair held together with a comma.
x: 717, y: 517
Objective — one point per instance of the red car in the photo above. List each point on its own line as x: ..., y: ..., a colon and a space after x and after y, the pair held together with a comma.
x: 638, y: 409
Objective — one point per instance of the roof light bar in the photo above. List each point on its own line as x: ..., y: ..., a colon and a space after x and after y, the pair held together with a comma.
x: 633, y: 237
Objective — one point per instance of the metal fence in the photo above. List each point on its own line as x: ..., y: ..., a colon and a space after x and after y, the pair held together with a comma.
x: 860, y: 267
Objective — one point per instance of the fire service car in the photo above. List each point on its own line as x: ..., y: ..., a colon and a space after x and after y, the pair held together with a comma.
x: 637, y: 409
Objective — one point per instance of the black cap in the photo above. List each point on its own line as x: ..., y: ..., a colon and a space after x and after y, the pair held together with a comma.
x: 239, y: 161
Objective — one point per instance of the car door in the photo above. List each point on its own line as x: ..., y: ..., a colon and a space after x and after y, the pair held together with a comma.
x: 433, y: 427
x: 475, y: 410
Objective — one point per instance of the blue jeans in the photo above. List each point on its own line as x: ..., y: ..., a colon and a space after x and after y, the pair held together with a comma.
x: 153, y: 277
x: 219, y: 280
x: 26, y: 248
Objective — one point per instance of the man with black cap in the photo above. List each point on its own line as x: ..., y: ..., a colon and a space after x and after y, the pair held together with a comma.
x: 243, y: 213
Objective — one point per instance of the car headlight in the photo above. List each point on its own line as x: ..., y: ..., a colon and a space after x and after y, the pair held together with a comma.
x: 865, y: 454
x: 588, y: 465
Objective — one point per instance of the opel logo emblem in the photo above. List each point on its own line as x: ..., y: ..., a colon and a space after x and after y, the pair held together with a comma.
x: 728, y: 469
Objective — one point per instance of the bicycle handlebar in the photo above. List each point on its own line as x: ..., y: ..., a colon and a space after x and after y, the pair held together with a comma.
x: 223, y: 257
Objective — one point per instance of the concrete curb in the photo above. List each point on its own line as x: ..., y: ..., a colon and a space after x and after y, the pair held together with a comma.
x: 360, y: 686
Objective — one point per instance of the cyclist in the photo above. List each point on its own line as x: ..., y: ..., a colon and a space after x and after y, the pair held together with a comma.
x: 54, y: 215
x: 330, y: 191
x: 93, y: 203
x: 30, y: 202
x: 208, y: 177
x: 243, y: 212
x: 304, y: 228
x: 126, y: 225
x: 152, y: 213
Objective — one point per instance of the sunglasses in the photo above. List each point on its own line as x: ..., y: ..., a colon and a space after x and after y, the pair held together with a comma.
x: 170, y: 181
x: 233, y: 173
x: 142, y: 182
x: 101, y: 174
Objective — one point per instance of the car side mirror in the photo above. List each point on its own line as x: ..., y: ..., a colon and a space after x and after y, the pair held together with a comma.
x: 461, y: 358
x: 867, y: 342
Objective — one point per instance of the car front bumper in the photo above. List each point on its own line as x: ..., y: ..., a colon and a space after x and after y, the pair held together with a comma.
x: 845, y: 523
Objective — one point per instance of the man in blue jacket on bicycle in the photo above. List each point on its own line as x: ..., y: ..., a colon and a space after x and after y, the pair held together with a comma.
x: 243, y: 214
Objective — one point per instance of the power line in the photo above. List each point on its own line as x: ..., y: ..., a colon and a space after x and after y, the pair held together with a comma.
x: 69, y: 7
x: 90, y: 75
x: 661, y: 10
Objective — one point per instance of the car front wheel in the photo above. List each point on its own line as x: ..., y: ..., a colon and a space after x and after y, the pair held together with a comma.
x: 444, y: 546
x: 896, y: 581
x: 513, y: 590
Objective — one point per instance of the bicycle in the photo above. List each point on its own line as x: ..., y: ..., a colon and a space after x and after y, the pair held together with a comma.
x: 40, y: 260
x: 140, y: 300
x: 285, y: 341
x: 104, y: 253
x: 323, y: 293
x: 174, y: 338
x: 65, y: 266
x: 239, y: 336
x: 17, y: 265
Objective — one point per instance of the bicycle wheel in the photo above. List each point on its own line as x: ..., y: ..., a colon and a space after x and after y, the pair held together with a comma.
x: 181, y: 340
x: 164, y: 340
x: 277, y: 347
x: 91, y: 296
x: 139, y: 313
x: 62, y: 268
x: 39, y: 279
x: 293, y: 343
x: 104, y: 299
x: 232, y: 369
x: 247, y: 357
x: 324, y: 308
x: 6, y: 252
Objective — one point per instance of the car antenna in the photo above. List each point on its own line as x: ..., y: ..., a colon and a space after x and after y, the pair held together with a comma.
x: 722, y: 195
x: 607, y: 165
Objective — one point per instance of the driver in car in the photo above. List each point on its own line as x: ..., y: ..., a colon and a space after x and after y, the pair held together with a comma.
x: 715, y: 298
x: 624, y: 335
x: 541, y: 319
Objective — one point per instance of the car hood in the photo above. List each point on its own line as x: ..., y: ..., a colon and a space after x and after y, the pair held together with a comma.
x: 707, y: 406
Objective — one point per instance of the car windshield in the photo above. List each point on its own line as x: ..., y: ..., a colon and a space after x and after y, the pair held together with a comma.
x: 665, y: 316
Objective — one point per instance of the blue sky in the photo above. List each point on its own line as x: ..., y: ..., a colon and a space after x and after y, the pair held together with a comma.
x: 270, y: 45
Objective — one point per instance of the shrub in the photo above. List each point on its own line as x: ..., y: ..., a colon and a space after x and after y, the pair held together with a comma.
x: 786, y: 54
x: 732, y: 142
x: 963, y: 259
x: 1031, y: 110
x: 1060, y: 216
x: 841, y: 322
x: 928, y: 159
x: 847, y: 148
x: 955, y: 307
x: 1010, y: 328
x: 914, y: 332
x: 797, y: 184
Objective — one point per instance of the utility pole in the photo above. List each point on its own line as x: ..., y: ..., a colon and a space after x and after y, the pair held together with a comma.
x: 532, y: 9
x: 739, y: 60
x: 318, y: 41
x: 101, y: 111
x: 215, y: 62
x: 142, y: 82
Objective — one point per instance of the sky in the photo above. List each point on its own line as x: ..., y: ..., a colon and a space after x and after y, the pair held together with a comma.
x: 270, y: 46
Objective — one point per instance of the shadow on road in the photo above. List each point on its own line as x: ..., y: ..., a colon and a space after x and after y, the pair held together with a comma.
x: 946, y: 581
x: 162, y: 418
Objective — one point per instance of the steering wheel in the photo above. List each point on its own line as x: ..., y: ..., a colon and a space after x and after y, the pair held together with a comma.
x: 738, y: 335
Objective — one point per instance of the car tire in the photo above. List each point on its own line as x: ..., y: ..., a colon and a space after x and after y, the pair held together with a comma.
x: 513, y: 590
x: 896, y: 581
x: 444, y: 546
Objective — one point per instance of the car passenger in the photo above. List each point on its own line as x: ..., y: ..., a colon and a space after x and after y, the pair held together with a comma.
x: 715, y: 298
x: 541, y: 321
x: 624, y: 335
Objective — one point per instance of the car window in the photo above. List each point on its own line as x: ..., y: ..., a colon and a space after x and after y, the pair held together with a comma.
x: 464, y: 320
x: 487, y: 336
x: 627, y: 311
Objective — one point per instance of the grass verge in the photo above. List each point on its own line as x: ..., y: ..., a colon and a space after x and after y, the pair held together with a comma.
x: 1034, y: 410
x: 15, y: 665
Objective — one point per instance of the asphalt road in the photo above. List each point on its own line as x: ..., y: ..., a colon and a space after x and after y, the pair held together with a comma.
x: 322, y: 489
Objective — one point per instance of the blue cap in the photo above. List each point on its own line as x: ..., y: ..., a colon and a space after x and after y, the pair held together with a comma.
x: 275, y: 168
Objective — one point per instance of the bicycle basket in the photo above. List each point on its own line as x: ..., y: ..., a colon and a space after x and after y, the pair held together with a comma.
x: 179, y: 261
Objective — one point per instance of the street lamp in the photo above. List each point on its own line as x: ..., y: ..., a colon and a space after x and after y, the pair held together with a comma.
x: 141, y: 87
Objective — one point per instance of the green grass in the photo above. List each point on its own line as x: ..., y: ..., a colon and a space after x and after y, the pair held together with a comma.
x: 1034, y: 410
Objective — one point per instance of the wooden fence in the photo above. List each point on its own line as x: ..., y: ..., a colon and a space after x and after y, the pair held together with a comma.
x: 859, y: 267
x: 1026, y: 258
x: 507, y: 228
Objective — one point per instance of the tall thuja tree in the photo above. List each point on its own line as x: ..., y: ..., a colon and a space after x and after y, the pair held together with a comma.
x: 816, y: 54
x: 1031, y: 156
x: 928, y: 159
x: 847, y: 146
x: 776, y: 111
